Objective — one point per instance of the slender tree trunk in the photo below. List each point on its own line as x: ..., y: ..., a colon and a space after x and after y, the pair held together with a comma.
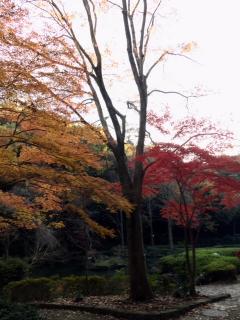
x: 193, y: 271
x: 7, y: 246
x: 122, y: 232
x: 188, y: 262
x: 150, y: 222
x: 170, y: 234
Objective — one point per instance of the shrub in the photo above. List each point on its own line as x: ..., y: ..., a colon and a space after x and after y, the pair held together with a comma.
x: 118, y: 283
x: 219, y: 271
x: 12, y: 269
x: 44, y: 289
x: 27, y: 290
x: 74, y: 285
x: 104, y: 263
x: 17, y: 312
x: 94, y: 285
x: 163, y: 283
x: 173, y: 264
x: 211, y: 264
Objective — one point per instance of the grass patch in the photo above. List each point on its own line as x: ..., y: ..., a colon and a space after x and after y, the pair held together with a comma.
x: 212, y: 264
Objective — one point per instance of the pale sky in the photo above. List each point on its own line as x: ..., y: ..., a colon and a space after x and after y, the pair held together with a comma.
x: 214, y: 26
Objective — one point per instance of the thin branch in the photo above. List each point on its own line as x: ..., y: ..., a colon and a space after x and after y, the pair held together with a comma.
x: 134, y: 9
x: 183, y: 56
x: 149, y: 28
x: 170, y: 54
x: 156, y: 63
x: 132, y: 106
x: 92, y: 30
x: 98, y: 105
x: 175, y: 92
x: 142, y: 33
x: 150, y: 137
x: 134, y: 41
x: 95, y: 17
x: 115, y: 4
x: 129, y: 43
x: 196, y: 136
x: 72, y: 33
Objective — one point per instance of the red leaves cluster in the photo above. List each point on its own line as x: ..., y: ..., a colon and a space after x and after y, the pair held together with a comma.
x: 196, y: 179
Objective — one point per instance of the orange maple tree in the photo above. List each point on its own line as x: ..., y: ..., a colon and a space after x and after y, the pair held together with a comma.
x: 42, y: 144
x: 47, y: 154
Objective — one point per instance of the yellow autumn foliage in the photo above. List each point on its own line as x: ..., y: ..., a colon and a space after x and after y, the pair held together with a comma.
x: 46, y: 154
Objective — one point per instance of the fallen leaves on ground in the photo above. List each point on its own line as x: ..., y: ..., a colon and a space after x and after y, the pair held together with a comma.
x: 159, y: 303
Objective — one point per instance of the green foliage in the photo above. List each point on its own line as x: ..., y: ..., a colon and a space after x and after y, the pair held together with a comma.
x: 105, y: 263
x: 173, y: 263
x: 163, y: 283
x: 211, y: 264
x: 29, y: 290
x: 220, y: 270
x: 12, y: 269
x: 17, y: 312
x: 45, y: 289
x: 72, y: 285
x: 118, y: 283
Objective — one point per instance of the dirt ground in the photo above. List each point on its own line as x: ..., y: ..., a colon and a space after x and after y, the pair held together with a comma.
x: 228, y: 309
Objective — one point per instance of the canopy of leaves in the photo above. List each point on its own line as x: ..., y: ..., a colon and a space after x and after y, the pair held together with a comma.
x: 198, y: 181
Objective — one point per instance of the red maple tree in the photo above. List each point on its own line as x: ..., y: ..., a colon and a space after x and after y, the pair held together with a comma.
x: 198, y: 179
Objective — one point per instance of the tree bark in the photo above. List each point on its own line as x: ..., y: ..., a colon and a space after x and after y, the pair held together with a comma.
x: 170, y: 235
x: 150, y: 222
x: 122, y: 232
x: 193, y: 269
x: 188, y: 262
x: 139, y: 286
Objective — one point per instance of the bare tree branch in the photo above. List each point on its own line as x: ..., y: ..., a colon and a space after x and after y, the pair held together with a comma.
x: 183, y: 56
x: 134, y: 9
x: 150, y: 137
x: 71, y: 33
x: 149, y: 28
x: 115, y: 4
x: 92, y: 30
x: 142, y: 34
x: 95, y: 17
x: 175, y: 92
x: 156, y: 63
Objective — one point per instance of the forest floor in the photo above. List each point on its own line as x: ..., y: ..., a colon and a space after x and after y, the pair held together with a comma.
x: 226, y: 309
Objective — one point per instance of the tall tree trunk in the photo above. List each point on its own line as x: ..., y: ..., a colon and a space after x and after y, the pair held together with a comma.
x: 139, y: 286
